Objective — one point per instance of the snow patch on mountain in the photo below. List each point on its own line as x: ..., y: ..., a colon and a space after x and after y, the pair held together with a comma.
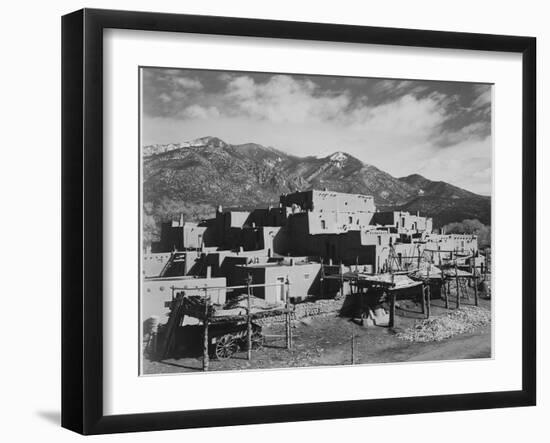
x: 213, y: 142
x: 338, y: 157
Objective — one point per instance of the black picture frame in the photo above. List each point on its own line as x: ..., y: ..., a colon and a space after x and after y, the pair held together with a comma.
x: 82, y: 215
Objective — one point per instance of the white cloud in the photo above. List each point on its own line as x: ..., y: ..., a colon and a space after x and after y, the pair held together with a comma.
x: 283, y: 98
x: 484, y: 97
x: 200, y: 112
x: 165, y: 98
x: 467, y: 165
x: 188, y: 83
x: 407, y: 116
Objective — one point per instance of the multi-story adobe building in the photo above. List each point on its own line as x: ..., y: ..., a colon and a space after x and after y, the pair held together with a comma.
x: 315, y: 226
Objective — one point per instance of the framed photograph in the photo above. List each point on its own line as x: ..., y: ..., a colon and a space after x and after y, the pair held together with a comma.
x: 270, y: 221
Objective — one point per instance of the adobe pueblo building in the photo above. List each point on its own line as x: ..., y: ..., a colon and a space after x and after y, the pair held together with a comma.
x: 315, y: 244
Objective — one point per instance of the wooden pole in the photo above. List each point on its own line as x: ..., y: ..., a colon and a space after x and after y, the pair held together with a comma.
x: 428, y: 291
x: 155, y: 344
x: 361, y: 290
x: 392, y: 303
x: 322, y: 281
x: 423, y: 298
x: 391, y: 322
x: 287, y: 315
x: 248, y: 320
x: 341, y: 280
x: 428, y: 300
x: 205, y: 355
x: 352, y: 347
x: 476, y: 300
x: 457, y: 288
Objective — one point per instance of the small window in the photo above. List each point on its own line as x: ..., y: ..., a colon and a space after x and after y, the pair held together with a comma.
x: 323, y: 224
x: 350, y: 220
x: 306, y: 276
x: 379, y: 240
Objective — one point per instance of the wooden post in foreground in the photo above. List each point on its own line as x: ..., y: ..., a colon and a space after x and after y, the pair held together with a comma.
x: 476, y: 299
x: 248, y: 320
x: 322, y: 281
x: 391, y: 322
x: 287, y: 315
x: 457, y: 288
x: 205, y: 355
x: 352, y: 347
x: 428, y: 296
x: 341, y: 279
x: 423, y: 298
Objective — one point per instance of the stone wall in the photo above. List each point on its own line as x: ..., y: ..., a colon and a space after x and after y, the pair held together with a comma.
x: 308, y: 309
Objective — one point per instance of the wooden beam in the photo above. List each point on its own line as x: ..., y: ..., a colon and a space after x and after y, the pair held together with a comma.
x: 423, y: 298
x: 205, y: 343
x: 476, y: 300
x: 457, y: 288
x: 352, y: 347
x: 428, y: 300
x: 391, y: 322
x: 248, y: 320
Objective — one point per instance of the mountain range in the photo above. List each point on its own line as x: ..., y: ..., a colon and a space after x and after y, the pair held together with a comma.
x: 211, y: 172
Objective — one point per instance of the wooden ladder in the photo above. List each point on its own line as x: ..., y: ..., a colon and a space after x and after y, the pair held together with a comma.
x: 174, y: 321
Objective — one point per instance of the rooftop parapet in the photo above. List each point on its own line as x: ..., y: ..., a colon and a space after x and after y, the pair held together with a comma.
x: 328, y: 201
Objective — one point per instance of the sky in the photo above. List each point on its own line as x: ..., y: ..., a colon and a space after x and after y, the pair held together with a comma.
x: 441, y: 130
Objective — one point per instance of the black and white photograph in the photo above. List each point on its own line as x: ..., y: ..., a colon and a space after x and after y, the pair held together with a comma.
x: 293, y: 220
x: 272, y: 222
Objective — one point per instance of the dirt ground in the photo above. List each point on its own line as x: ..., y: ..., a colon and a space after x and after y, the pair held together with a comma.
x: 326, y: 340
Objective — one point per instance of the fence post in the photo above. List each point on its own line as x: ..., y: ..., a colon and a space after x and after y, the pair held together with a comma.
x: 352, y: 347
x: 476, y: 300
x: 423, y: 298
x: 322, y: 281
x: 457, y: 287
x: 287, y: 315
x: 205, y: 354
x: 248, y: 319
x: 428, y: 293
x: 391, y: 322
